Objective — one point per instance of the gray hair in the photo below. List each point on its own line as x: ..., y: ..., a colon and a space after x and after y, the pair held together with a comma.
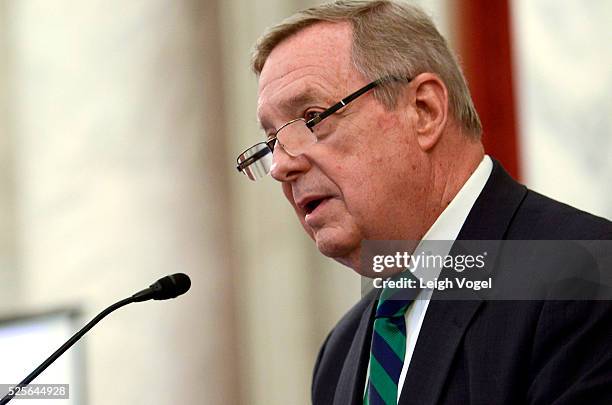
x: 390, y: 39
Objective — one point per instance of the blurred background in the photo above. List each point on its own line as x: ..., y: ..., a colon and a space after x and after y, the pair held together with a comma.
x: 119, y: 127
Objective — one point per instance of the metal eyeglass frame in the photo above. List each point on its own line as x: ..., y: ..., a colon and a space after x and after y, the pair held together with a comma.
x: 311, y: 122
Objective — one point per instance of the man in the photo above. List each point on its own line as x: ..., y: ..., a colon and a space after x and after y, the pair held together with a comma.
x: 400, y: 158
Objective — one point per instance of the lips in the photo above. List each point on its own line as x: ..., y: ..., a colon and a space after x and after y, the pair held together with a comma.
x: 309, y: 204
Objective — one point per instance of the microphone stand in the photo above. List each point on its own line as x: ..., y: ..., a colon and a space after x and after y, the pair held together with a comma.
x: 67, y: 346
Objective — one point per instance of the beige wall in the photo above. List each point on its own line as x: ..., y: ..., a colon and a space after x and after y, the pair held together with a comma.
x: 121, y: 180
x: 8, y: 257
x: 562, y: 65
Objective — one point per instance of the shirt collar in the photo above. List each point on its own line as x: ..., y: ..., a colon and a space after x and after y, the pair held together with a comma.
x: 440, y: 237
x: 448, y: 225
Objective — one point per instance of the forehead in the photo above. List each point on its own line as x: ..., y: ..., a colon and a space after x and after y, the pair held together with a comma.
x: 313, y: 62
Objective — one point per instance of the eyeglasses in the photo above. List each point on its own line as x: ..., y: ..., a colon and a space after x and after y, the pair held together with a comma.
x: 294, y: 137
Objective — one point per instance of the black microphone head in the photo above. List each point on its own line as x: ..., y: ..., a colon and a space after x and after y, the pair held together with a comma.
x: 171, y: 286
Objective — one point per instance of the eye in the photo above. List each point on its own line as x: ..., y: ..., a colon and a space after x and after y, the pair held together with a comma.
x: 310, y: 114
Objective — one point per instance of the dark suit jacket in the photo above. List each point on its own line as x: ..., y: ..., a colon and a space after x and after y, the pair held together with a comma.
x: 491, y: 352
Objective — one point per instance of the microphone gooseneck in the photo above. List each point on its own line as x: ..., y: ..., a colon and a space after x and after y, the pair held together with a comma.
x: 163, y: 289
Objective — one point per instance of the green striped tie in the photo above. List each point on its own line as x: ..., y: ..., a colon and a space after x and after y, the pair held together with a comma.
x: 388, y: 347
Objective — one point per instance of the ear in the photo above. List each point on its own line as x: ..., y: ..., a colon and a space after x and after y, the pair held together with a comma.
x: 430, y: 102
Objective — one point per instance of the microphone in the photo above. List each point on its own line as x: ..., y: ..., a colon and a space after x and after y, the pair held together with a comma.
x: 165, y: 288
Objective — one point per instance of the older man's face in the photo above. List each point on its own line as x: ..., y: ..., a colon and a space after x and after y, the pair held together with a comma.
x: 364, y: 180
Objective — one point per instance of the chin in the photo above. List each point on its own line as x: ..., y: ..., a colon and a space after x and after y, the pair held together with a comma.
x: 339, y: 247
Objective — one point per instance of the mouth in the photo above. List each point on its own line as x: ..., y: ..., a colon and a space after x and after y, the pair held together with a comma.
x: 310, y: 204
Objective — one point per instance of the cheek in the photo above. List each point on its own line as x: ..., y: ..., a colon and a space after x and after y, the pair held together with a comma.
x: 387, y: 122
x: 357, y: 176
x: 377, y: 188
x: 361, y: 200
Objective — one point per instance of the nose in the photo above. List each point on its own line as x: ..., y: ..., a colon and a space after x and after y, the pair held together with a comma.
x: 287, y: 168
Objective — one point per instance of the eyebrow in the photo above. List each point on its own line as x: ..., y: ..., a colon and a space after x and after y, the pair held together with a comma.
x: 300, y: 99
x: 291, y: 104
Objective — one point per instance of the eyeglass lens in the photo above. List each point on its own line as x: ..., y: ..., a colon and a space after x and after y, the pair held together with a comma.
x: 294, y: 138
x: 261, y: 157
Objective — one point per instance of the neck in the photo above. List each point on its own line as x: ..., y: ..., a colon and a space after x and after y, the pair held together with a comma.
x: 452, y: 163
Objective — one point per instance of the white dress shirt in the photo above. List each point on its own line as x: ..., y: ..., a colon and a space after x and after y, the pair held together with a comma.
x: 446, y: 228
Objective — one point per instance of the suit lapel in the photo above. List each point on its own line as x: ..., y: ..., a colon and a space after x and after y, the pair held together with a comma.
x: 351, y: 383
x: 444, y: 327
x: 447, y: 320
x: 494, y: 209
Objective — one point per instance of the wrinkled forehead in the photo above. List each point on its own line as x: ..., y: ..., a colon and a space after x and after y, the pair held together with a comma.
x: 327, y: 44
x: 316, y: 59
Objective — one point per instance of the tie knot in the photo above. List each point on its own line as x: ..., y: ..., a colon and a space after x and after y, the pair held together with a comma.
x: 394, y: 302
